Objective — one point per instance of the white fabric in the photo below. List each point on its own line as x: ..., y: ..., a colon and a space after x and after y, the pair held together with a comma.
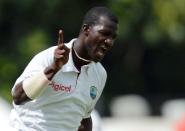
x: 96, y: 121
x: 5, y: 108
x: 35, y: 85
x: 66, y: 100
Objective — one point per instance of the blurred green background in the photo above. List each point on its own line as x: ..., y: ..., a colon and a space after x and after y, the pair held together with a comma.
x: 147, y: 59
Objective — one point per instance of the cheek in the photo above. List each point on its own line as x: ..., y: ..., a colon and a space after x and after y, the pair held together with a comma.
x: 94, y: 42
x: 92, y: 49
x: 96, y: 37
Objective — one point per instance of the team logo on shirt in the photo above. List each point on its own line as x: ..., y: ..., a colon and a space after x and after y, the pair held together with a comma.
x: 93, y: 92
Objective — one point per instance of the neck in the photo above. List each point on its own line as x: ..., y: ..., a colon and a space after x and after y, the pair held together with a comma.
x: 78, y: 60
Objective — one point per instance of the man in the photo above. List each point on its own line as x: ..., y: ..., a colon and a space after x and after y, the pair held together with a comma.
x: 60, y: 86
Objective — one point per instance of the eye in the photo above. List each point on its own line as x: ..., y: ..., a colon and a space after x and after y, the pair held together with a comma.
x: 108, y: 34
x: 104, y: 33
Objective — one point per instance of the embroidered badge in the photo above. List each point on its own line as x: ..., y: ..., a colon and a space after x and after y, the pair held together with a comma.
x: 93, y: 92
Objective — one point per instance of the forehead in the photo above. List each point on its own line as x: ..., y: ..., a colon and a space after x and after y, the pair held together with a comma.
x: 105, y: 23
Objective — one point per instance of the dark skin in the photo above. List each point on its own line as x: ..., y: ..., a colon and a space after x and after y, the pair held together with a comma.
x: 93, y: 43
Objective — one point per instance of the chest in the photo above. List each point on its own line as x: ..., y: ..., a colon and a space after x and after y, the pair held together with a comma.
x: 81, y: 88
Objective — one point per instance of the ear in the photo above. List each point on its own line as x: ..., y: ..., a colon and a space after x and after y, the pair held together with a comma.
x: 86, y: 29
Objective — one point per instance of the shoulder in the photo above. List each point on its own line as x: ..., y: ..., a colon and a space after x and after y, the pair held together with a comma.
x: 48, y: 51
x: 44, y: 55
x: 51, y: 49
x: 100, y: 69
x: 42, y: 59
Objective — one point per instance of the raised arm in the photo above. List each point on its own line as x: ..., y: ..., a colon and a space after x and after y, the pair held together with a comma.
x: 32, y: 87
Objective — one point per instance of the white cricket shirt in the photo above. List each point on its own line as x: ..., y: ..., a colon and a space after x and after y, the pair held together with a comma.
x: 70, y: 96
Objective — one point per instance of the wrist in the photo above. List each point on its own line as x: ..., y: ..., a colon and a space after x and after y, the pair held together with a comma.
x: 35, y: 85
x: 50, y: 71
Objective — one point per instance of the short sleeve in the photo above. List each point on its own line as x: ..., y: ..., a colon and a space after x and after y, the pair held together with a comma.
x: 102, y: 77
x: 39, y: 62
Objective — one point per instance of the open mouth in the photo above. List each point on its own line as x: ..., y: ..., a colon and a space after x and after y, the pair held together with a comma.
x: 102, y: 51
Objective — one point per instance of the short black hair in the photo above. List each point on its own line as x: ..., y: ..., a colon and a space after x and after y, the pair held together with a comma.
x: 93, y: 15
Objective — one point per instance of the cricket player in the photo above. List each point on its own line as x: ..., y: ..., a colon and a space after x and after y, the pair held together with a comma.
x: 61, y: 85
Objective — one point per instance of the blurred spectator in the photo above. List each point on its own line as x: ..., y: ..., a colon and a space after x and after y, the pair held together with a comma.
x: 129, y: 106
x: 174, y: 109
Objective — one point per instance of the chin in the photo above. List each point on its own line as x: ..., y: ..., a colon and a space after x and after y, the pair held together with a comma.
x: 97, y: 59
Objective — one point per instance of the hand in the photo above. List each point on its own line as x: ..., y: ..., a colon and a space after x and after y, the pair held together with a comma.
x: 61, y: 53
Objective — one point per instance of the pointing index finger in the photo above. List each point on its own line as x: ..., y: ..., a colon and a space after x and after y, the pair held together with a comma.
x: 60, y: 37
